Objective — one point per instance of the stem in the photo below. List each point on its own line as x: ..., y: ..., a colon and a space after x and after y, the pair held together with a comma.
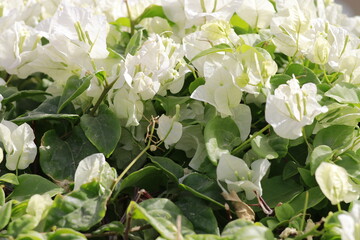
x: 325, y: 74
x: 118, y: 179
x: 132, y: 25
x: 241, y: 146
x: 306, y: 141
x: 304, y: 211
x: 339, y: 207
x: 107, y: 88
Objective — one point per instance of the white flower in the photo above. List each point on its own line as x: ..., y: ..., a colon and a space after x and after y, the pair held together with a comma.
x: 94, y: 167
x: 127, y: 105
x: 169, y: 130
x: 336, y: 184
x: 350, y: 223
x: 219, y: 89
x: 291, y: 108
x: 238, y: 177
x: 17, y: 48
x: 257, y: 13
x: 18, y: 144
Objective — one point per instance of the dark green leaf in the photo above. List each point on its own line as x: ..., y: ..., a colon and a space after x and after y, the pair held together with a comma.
x: 30, y: 184
x: 298, y: 203
x: 172, y: 169
x: 79, y: 210
x: 337, y: 137
x: 47, y: 110
x: 73, y: 88
x: 103, y: 130
x: 199, y: 214
x: 23, y: 94
x: 55, y: 153
x: 290, y: 170
x: 203, y: 187
x: 277, y: 190
x: 306, y: 176
x: 148, y: 178
x: 351, y: 162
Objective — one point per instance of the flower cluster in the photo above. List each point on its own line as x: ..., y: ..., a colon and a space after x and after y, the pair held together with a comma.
x: 238, y: 92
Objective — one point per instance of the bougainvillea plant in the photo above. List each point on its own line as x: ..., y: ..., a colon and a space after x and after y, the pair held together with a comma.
x: 179, y: 120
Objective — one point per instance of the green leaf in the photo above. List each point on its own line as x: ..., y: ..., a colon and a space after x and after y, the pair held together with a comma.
x: 79, y: 210
x: 221, y: 135
x: 56, y: 153
x: 121, y: 21
x: 306, y: 176
x: 162, y: 215
x: 21, y: 94
x: 2, y: 197
x: 302, y: 73
x: 31, y: 235
x: 337, y: 137
x: 144, y: 178
x: 276, y: 190
x: 115, y: 226
x: 199, y: 214
x: 340, y: 114
x: 30, y: 184
x: 152, y: 11
x: 73, y: 88
x: 134, y: 43
x: 345, y: 93
x: 223, y: 47
x: 103, y: 130
x: 204, y: 237
x: 297, y: 204
x: 9, y: 178
x: 22, y: 225
x: 194, y: 84
x: 65, y: 234
x: 279, y: 79
x: 240, y: 26
x: 172, y: 169
x: 169, y: 103
x: 242, y: 229
x: 320, y: 154
x: 290, y: 170
x: 351, y: 162
x: 203, y: 187
x: 5, y: 214
x: 260, y: 145
x: 47, y: 110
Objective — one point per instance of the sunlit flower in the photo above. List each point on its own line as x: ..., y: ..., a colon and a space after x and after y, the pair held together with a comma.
x: 239, y: 177
x: 350, y: 223
x: 18, y: 142
x: 336, y: 184
x: 292, y: 107
x: 169, y: 130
